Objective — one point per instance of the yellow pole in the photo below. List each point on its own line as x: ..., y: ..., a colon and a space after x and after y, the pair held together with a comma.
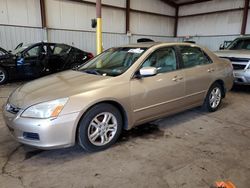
x: 99, y: 36
x: 99, y: 27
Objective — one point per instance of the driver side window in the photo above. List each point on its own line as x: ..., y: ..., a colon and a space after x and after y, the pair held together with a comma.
x: 33, y: 52
x: 164, y: 60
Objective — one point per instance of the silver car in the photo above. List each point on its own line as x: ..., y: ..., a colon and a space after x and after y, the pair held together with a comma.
x: 121, y: 88
x: 238, y: 52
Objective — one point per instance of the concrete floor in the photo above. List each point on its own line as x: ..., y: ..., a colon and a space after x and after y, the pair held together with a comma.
x: 190, y: 150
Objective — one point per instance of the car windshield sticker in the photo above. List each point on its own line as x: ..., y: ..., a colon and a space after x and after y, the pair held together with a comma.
x: 136, y: 51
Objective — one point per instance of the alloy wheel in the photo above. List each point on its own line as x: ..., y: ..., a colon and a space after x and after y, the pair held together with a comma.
x: 102, y: 128
x: 2, y: 76
x: 215, y: 97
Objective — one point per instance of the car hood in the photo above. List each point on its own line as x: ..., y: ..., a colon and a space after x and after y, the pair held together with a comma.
x: 233, y: 53
x: 5, y: 57
x: 60, y: 85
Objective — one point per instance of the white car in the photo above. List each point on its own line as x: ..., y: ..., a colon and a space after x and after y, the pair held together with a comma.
x: 238, y: 52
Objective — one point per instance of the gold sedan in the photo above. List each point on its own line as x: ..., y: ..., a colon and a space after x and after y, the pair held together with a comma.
x: 121, y: 88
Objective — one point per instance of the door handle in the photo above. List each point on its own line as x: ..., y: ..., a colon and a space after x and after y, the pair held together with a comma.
x: 176, y: 78
x: 210, y: 70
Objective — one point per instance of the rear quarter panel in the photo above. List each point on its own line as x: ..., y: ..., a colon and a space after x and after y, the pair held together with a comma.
x: 224, y: 70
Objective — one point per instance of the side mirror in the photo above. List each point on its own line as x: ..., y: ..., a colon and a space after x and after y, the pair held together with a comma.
x: 148, y: 71
x: 222, y: 47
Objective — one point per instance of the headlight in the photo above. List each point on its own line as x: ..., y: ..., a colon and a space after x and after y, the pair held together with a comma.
x: 45, y: 110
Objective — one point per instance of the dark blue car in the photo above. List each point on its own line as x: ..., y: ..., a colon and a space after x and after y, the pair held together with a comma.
x: 39, y: 59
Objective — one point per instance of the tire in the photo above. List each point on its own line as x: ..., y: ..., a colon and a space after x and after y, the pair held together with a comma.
x: 3, y: 76
x: 96, y: 134
x: 213, y: 99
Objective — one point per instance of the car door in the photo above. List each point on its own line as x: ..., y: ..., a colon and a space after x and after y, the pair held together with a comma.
x: 198, y: 69
x: 154, y: 96
x: 31, y: 62
x: 76, y: 58
x: 59, y: 57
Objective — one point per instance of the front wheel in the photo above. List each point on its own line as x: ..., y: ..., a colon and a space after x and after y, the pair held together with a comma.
x: 213, y: 98
x: 100, y: 127
x: 3, y: 76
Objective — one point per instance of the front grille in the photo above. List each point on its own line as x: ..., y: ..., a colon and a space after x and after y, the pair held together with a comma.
x: 12, y: 109
x: 239, y: 67
x: 237, y: 59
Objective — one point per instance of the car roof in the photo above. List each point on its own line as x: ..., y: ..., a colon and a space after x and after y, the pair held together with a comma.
x: 243, y: 37
x: 151, y: 44
x: 50, y: 43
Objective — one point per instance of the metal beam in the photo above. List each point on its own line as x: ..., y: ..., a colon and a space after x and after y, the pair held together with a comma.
x: 43, y: 14
x: 94, y: 4
x: 121, y: 8
x: 213, y: 12
x: 193, y: 2
x: 244, y: 20
x: 170, y: 3
x: 127, y: 16
x: 151, y: 13
x: 176, y: 21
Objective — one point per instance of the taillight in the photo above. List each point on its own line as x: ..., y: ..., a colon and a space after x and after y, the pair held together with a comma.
x: 90, y: 55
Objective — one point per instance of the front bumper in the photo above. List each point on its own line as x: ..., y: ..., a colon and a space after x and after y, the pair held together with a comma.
x: 242, y: 76
x: 43, y: 133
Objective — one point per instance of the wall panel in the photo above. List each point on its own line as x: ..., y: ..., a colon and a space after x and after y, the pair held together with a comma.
x: 155, y: 6
x: 210, y: 6
x: 211, y: 42
x: 147, y: 24
x: 86, y: 40
x: 248, y: 23
x: 77, y: 16
x: 20, y: 12
x: 11, y: 36
x: 228, y: 23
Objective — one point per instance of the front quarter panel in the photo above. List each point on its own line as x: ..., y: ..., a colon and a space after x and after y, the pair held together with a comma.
x: 9, y: 64
x: 82, y: 102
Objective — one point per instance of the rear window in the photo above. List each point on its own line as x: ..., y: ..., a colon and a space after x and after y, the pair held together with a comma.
x: 240, y: 44
x: 193, y: 56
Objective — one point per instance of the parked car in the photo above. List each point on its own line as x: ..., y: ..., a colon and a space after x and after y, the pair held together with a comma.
x: 190, y: 41
x: 238, y: 52
x: 144, y: 40
x: 3, y: 53
x: 225, y: 44
x: 36, y: 60
x: 120, y: 88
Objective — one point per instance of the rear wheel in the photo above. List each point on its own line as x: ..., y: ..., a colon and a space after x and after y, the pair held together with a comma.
x: 213, y: 98
x: 3, y: 76
x: 100, y: 127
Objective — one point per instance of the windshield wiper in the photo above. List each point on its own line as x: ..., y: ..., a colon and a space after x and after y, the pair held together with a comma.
x: 91, y: 71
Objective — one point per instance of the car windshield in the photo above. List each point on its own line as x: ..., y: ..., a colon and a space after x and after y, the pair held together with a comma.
x: 240, y: 44
x: 113, y: 62
x: 21, y: 49
x: 3, y: 51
